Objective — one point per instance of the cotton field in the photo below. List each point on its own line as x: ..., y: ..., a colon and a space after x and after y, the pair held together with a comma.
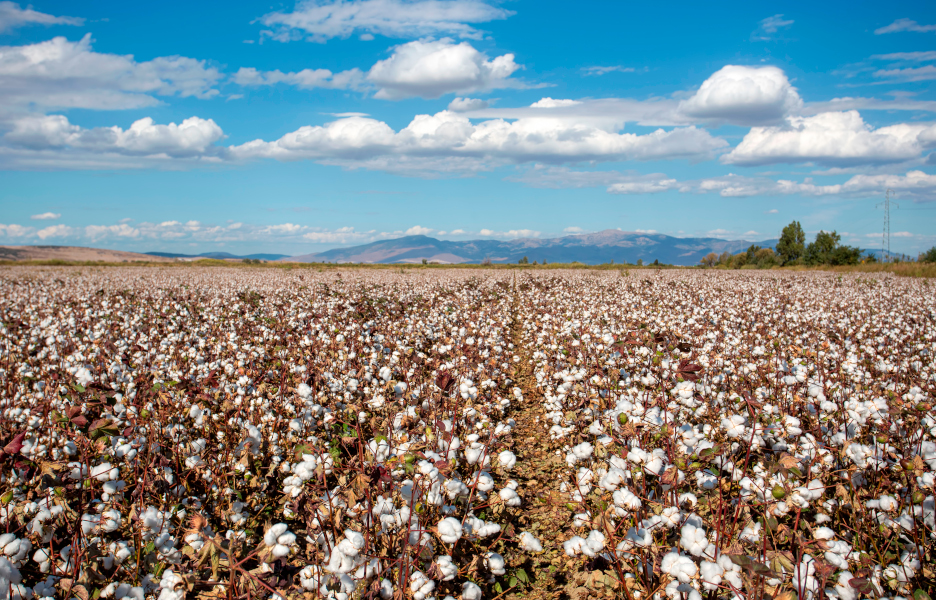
x: 441, y: 434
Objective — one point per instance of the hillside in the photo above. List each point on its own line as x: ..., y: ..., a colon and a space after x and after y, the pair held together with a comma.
x: 75, y: 254
x: 589, y: 248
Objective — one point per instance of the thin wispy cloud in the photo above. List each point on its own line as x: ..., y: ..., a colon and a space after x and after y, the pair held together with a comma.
x: 12, y: 15
x: 606, y: 70
x: 767, y: 28
x: 904, y: 25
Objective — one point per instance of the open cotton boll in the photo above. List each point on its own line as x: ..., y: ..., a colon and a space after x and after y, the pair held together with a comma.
x: 352, y: 544
x: 693, y: 540
x: 14, y: 548
x: 495, y: 562
x: 104, y: 472
x: 420, y: 585
x: 509, y: 494
x: 711, y: 574
x: 594, y: 543
x: 447, y: 569
x: 470, y: 591
x: 271, y: 534
x: 450, y: 530
x: 679, y: 567
x: 529, y: 543
x: 573, y: 546
x: 171, y: 586
x: 626, y: 499
x: 507, y: 459
x: 479, y: 528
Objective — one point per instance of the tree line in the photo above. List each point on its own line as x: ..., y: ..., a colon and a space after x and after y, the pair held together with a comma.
x: 792, y: 249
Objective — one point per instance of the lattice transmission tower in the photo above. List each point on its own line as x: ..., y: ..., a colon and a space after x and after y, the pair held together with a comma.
x: 885, y: 236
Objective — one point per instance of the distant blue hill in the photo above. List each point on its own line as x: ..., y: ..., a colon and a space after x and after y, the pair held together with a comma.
x: 588, y: 248
x: 218, y: 255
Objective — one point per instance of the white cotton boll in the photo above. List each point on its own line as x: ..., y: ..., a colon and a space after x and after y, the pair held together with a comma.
x: 580, y: 519
x: 626, y: 499
x: 751, y: 533
x: 304, y: 391
x: 89, y: 522
x: 485, y: 482
x: 104, y: 472
x: 835, y: 560
x: 693, y: 539
x: 887, y: 503
x: 474, y: 453
x: 420, y: 585
x: 582, y: 451
x: 446, y: 568
x: 711, y: 574
x: 679, y: 567
x: 495, y: 562
x: 510, y: 497
x: 733, y: 426
x: 845, y: 591
x: 168, y: 586
x: 450, y: 530
x: 507, y: 459
x: 670, y: 517
x: 594, y: 543
x: 470, y: 591
x: 110, y: 520
x: 271, y: 535
x: 352, y: 544
x: 823, y: 533
x: 611, y: 480
x: 529, y: 543
x: 573, y: 546
x: 9, y: 575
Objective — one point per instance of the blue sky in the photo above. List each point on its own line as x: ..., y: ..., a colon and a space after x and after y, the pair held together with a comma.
x: 297, y: 127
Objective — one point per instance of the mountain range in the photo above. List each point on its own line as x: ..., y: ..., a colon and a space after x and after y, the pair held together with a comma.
x: 218, y: 255
x: 588, y: 248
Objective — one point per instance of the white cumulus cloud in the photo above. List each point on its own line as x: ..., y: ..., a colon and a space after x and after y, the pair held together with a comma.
x: 417, y: 230
x: 320, y: 21
x: 61, y: 74
x: 744, y: 96
x: 451, y: 134
x: 430, y: 69
x: 193, y: 137
x: 835, y: 138
x: 56, y: 231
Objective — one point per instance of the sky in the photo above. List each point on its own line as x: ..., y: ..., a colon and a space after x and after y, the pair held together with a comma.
x: 295, y: 127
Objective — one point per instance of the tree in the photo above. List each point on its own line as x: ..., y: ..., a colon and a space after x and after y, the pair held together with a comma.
x: 765, y: 258
x: 826, y: 250
x: 738, y: 260
x: 791, y: 245
x: 929, y: 256
x: 709, y: 260
x: 639, y: 262
x: 523, y: 261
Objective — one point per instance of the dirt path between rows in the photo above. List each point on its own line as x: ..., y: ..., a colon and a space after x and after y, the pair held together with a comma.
x: 540, y: 471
